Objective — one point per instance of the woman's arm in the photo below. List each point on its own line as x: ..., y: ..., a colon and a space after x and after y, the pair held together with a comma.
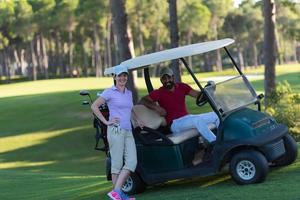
x: 95, y: 107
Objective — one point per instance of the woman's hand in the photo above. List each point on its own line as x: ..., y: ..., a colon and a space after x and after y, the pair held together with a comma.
x: 114, y: 120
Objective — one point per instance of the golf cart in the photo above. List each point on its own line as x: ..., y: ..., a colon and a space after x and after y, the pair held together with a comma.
x: 248, y: 140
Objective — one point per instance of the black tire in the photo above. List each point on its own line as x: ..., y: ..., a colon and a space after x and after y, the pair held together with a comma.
x: 248, y: 167
x: 291, y: 152
x: 134, y: 185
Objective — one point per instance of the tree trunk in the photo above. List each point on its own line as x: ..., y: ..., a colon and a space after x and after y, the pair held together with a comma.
x: 241, y: 58
x: 44, y: 56
x: 22, y: 61
x: 286, y: 58
x: 174, y: 37
x: 269, y: 48
x: 139, y: 23
x: 140, y: 34
x: 105, y: 56
x: 117, y: 53
x: 27, y: 58
x: 7, y: 70
x: 58, y: 64
x: 261, y: 57
x: 120, y: 28
x: 85, y: 61
x: 33, y: 61
x: 51, y: 57
x: 93, y: 55
x: 38, y: 53
x: 157, y: 47
x: 1, y: 64
x: 278, y: 52
x: 97, y: 57
x: 131, y: 49
x: 70, y: 62
x: 298, y: 52
x: 108, y: 42
x: 295, y: 51
x: 218, y: 52
x: 207, y: 62
x: 219, y: 61
x: 18, y: 62
x: 254, y: 49
x: 189, y: 38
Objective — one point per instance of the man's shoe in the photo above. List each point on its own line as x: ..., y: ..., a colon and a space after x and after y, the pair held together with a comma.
x: 115, y: 195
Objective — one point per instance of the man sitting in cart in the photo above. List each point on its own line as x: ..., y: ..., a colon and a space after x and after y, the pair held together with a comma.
x: 171, y: 105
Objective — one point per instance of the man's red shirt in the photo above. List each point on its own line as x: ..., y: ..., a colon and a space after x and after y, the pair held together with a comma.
x: 172, y: 101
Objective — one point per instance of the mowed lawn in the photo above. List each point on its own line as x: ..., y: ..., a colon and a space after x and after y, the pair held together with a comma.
x: 47, y: 139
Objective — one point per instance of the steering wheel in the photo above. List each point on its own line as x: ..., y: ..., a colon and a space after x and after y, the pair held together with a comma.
x: 201, y: 99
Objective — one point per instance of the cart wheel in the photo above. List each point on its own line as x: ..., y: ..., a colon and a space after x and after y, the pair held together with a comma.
x: 248, y: 167
x: 291, y: 152
x: 134, y: 185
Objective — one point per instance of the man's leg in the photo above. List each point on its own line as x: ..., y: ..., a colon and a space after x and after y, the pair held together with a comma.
x: 182, y: 124
x: 206, y: 118
x: 200, y: 122
x: 210, y: 118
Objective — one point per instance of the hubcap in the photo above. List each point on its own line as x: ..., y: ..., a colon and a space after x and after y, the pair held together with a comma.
x: 128, y: 185
x: 245, y: 169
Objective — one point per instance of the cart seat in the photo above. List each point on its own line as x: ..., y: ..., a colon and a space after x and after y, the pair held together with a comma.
x: 178, y: 138
x: 183, y: 136
x: 148, y: 117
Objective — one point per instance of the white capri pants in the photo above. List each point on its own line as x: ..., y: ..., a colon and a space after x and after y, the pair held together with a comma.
x: 122, y: 150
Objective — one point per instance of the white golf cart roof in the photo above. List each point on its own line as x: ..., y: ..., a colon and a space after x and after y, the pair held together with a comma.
x: 171, y: 54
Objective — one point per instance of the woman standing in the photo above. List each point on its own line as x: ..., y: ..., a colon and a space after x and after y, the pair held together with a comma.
x: 119, y: 133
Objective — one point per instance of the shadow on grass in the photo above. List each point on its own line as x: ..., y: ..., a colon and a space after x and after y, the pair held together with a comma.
x: 43, y: 112
x: 71, y: 152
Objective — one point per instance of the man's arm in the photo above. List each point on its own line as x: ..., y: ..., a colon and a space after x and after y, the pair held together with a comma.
x: 148, y: 102
x: 194, y: 93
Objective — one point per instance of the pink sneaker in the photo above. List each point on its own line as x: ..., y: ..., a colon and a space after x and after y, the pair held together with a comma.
x: 114, y: 195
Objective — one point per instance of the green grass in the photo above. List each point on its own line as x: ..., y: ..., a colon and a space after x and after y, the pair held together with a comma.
x: 46, y: 147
